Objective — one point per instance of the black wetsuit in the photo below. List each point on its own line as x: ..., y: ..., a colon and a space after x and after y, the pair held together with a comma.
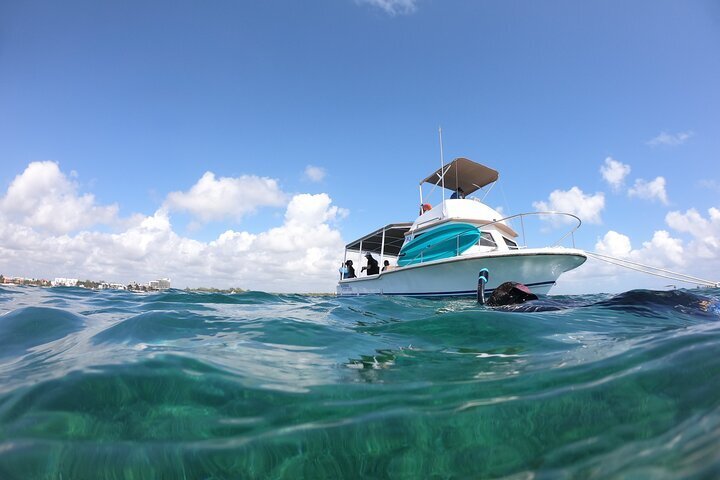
x: 373, y: 268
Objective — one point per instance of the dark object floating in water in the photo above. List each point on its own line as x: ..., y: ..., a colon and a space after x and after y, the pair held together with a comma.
x: 510, y: 293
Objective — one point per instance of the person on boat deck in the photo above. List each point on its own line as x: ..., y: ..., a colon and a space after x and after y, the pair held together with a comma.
x: 386, y: 266
x: 373, y: 268
x: 458, y: 194
x: 347, y: 270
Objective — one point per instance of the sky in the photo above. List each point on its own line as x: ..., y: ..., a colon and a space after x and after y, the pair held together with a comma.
x: 243, y: 143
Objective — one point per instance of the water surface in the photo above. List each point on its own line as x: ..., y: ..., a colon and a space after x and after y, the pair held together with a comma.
x: 110, y: 385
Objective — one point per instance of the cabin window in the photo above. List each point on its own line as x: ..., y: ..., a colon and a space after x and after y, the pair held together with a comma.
x: 511, y: 245
x: 486, y: 240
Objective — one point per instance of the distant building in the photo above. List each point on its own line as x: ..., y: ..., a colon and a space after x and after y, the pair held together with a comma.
x: 65, y: 282
x: 160, y: 284
x: 33, y: 282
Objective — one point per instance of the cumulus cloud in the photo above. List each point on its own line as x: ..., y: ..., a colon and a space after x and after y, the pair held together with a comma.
x: 315, y: 174
x: 614, y: 172
x: 44, y: 198
x: 575, y: 201
x: 670, y: 139
x: 653, y: 190
x: 614, y: 244
x: 661, y: 250
x: 705, y: 233
x: 222, y: 198
x: 306, y: 209
x: 699, y: 255
x: 392, y: 7
x: 301, y: 254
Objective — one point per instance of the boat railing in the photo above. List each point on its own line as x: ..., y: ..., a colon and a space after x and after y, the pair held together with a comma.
x: 552, y: 215
x: 521, y: 216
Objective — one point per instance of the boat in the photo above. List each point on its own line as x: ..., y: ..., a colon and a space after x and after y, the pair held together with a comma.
x: 441, y: 253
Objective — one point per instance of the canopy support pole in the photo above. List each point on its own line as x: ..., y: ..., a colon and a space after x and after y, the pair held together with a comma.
x: 382, y: 248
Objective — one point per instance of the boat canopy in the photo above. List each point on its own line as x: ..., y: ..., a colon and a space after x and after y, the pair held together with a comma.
x: 464, y: 174
x: 392, y: 236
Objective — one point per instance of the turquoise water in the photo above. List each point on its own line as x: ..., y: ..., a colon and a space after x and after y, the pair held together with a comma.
x: 115, y: 385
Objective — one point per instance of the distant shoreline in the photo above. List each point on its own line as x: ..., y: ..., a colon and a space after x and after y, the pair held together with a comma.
x: 224, y: 291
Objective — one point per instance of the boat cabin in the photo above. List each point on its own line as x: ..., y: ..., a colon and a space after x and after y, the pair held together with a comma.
x: 459, y: 225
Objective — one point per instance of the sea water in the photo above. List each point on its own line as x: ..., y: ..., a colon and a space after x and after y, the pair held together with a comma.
x: 182, y: 385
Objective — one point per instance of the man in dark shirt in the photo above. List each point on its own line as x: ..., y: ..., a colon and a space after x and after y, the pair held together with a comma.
x: 373, y: 268
x: 457, y: 194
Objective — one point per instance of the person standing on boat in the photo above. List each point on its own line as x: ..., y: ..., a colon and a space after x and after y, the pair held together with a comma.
x: 458, y: 194
x: 347, y: 270
x: 373, y: 268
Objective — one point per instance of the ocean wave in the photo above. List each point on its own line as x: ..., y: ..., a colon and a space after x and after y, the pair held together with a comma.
x: 28, y: 327
x: 254, y: 385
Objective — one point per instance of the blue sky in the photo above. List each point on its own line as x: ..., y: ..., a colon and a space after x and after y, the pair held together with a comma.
x: 134, y: 101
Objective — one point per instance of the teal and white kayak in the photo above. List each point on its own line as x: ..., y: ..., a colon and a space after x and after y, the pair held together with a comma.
x: 445, y: 241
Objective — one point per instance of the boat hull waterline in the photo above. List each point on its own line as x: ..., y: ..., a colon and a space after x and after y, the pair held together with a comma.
x: 537, y: 268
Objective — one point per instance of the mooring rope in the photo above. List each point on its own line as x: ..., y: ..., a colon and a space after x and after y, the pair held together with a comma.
x: 650, y: 270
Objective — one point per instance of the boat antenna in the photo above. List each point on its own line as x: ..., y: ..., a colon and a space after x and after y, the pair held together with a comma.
x: 442, y: 168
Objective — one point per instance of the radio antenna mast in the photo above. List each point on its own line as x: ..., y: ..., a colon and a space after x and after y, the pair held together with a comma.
x: 442, y: 169
x: 442, y: 158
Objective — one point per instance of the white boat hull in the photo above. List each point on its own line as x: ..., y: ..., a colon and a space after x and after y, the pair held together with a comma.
x: 537, y: 268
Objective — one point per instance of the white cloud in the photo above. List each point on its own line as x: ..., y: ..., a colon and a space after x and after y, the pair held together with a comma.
x: 692, y: 222
x: 315, y: 174
x: 393, y: 7
x: 670, y: 139
x: 306, y: 209
x: 705, y: 243
x: 614, y: 172
x: 585, y: 206
x: 662, y: 250
x: 301, y: 254
x: 614, y: 244
x: 221, y: 198
x: 43, y: 197
x: 700, y: 256
x: 710, y: 184
x: 654, y: 190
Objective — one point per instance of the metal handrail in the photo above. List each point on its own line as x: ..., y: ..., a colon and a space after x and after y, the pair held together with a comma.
x: 549, y: 212
x: 517, y: 215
